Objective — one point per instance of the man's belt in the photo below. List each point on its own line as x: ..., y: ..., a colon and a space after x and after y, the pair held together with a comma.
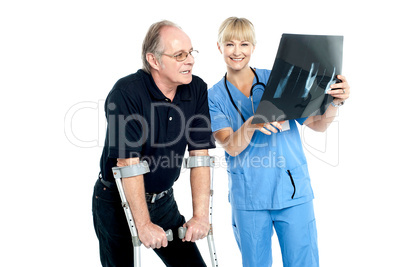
x: 151, y: 198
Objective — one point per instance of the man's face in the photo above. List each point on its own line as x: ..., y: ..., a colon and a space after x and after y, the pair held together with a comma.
x: 175, y: 73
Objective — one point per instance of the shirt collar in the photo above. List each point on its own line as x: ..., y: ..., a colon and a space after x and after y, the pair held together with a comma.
x: 183, y: 91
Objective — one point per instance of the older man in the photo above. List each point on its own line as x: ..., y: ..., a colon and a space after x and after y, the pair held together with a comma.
x: 153, y: 115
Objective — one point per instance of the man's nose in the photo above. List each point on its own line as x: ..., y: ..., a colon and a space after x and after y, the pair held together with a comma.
x: 189, y: 60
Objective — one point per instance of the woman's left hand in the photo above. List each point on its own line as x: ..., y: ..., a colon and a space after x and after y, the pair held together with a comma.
x: 340, y: 91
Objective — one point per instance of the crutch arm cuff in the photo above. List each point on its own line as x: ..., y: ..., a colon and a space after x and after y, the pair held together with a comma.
x: 199, y: 161
x: 131, y: 170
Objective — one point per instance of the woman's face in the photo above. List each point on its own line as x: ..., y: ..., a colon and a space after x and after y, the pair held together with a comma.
x: 236, y: 53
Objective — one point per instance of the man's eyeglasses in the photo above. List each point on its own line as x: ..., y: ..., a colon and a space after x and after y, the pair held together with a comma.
x: 182, y: 55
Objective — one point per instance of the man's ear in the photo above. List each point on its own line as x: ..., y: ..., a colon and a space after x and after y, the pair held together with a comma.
x: 153, y: 62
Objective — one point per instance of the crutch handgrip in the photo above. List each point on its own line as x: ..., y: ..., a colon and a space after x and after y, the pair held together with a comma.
x: 182, y: 232
x: 169, y: 235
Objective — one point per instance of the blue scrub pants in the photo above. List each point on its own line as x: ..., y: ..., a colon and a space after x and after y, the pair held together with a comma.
x: 296, y: 230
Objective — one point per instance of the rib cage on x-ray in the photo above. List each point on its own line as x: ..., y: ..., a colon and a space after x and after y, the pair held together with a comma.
x: 304, y: 69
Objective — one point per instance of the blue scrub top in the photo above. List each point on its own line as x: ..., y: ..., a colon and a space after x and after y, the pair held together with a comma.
x: 271, y: 173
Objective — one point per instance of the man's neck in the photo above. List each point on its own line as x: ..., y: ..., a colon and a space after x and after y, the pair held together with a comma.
x: 168, y: 90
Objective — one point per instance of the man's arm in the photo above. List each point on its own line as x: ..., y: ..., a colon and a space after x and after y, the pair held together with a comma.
x: 340, y: 92
x: 151, y: 235
x: 198, y: 226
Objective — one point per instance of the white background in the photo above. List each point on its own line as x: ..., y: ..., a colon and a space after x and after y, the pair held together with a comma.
x: 59, y: 59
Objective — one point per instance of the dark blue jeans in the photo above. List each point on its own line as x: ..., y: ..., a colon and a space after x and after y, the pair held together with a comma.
x: 115, y: 245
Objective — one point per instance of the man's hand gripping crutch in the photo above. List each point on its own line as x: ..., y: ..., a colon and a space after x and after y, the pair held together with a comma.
x: 133, y: 188
x: 193, y: 162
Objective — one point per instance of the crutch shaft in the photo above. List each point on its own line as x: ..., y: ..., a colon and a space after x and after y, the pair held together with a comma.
x: 204, y: 161
x: 211, y: 244
x: 124, y: 172
x: 212, y: 250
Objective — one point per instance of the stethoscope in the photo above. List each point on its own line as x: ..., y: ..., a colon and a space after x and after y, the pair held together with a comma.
x: 251, y: 93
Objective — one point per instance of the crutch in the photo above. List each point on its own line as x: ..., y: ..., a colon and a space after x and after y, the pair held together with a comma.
x: 204, y: 161
x: 125, y: 172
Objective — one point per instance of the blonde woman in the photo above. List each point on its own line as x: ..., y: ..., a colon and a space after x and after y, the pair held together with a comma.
x: 269, y: 182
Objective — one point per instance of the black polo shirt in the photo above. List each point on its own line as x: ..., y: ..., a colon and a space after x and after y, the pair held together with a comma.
x: 144, y: 123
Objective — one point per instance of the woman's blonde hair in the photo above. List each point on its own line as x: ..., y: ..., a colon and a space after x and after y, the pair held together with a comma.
x: 234, y: 28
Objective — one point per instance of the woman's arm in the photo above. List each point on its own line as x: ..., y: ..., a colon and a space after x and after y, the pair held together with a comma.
x: 235, y: 142
x: 340, y: 92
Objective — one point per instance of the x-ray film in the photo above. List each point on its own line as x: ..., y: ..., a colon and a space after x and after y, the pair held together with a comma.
x: 304, y: 69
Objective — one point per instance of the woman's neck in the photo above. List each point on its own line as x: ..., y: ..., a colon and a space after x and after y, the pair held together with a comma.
x: 241, y: 79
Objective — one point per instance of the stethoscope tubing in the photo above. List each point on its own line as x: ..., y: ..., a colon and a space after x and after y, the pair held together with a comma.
x: 251, y: 93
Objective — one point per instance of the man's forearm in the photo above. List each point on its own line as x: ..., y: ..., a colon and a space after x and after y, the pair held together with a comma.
x: 200, y: 190
x: 135, y: 194
x: 200, y: 187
